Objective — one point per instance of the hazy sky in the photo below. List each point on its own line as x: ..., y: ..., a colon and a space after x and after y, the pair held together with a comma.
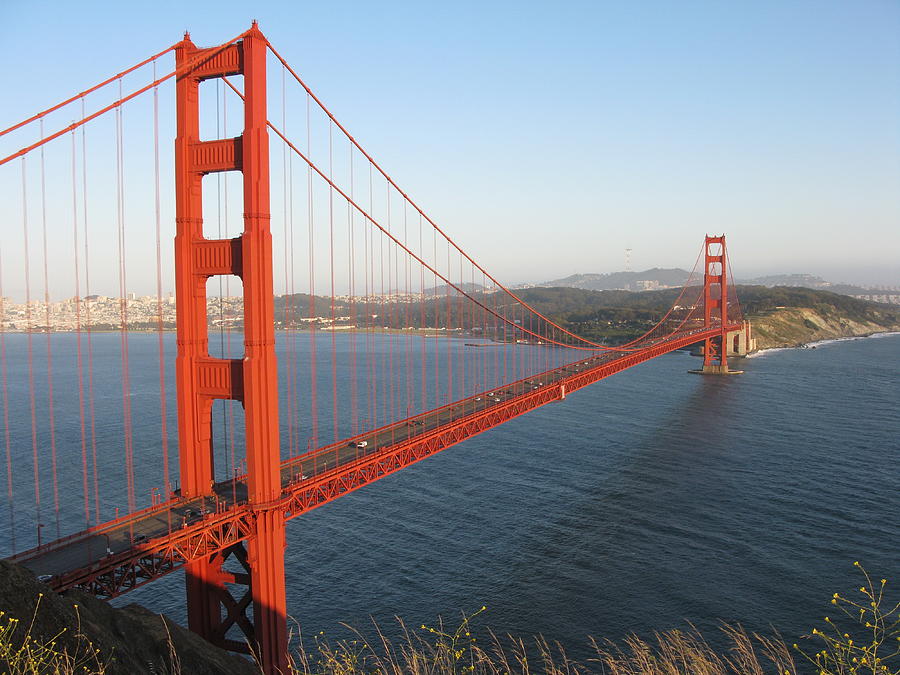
x: 548, y: 137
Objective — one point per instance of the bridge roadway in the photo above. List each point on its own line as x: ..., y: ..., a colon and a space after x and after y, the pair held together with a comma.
x: 114, y: 557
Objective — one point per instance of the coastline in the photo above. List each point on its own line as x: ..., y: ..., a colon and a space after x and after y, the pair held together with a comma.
x: 825, y: 341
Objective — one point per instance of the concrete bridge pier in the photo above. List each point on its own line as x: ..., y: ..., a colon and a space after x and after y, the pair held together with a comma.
x: 738, y: 342
x: 715, y: 369
x: 741, y: 342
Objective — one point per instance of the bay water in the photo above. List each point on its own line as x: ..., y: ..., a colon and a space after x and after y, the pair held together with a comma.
x: 649, y: 500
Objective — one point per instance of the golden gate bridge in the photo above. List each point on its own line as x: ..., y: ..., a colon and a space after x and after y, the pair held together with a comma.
x: 390, y: 343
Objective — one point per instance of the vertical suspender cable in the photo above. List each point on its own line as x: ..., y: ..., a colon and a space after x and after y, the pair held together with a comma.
x: 406, y: 324
x: 286, y: 307
x: 449, y: 323
x: 482, y: 385
x: 388, y: 300
x: 30, y: 332
x: 293, y: 374
x: 50, y: 416
x: 473, y: 331
x: 354, y: 308
x: 159, y: 301
x: 422, y: 323
x: 334, y: 396
x: 123, y: 307
x: 373, y: 422
x: 369, y: 263
x: 504, y: 379
x: 78, y: 354
x: 383, y: 373
x: 220, y: 133
x: 437, y: 323
x: 531, y: 352
x: 384, y: 321
x: 314, y: 385
x: 496, y: 333
x: 229, y: 403
x: 461, y: 309
x: 87, y: 318
x: 6, y: 436
x: 395, y: 323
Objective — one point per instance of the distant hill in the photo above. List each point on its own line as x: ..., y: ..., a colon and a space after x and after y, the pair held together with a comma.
x: 651, y: 279
x: 443, y: 289
x: 796, y: 280
x: 659, y: 278
x: 881, y: 294
x: 782, y: 315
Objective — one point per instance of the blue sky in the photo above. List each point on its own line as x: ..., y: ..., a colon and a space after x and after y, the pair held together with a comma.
x: 548, y: 137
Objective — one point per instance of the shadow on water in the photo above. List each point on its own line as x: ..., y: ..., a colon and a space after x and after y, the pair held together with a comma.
x: 649, y: 499
x: 642, y: 507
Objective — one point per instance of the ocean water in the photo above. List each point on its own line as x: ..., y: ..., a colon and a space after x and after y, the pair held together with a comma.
x: 646, y: 501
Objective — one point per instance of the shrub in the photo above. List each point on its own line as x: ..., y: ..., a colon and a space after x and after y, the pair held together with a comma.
x: 865, y: 639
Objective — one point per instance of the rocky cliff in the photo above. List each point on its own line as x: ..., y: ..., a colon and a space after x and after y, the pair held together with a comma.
x: 104, y: 639
x: 795, y: 326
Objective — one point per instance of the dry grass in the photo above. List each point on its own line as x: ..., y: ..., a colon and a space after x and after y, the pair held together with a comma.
x: 866, y: 641
x: 433, y: 651
x: 27, y: 654
x: 688, y: 652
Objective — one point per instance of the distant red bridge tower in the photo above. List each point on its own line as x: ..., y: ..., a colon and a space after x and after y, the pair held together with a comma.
x: 715, y: 306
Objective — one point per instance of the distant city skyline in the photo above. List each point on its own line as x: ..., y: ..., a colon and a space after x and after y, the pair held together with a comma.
x: 546, y: 140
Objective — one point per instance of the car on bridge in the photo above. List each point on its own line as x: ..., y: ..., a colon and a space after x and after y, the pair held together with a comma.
x: 359, y: 444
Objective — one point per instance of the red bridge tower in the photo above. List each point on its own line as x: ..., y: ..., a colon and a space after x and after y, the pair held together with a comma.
x: 715, y: 307
x: 212, y: 610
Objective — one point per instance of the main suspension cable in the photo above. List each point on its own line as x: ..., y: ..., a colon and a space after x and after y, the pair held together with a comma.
x: 87, y: 91
x: 206, y: 56
x: 414, y: 205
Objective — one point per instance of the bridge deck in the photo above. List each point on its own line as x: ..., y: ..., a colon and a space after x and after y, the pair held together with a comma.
x: 115, y: 557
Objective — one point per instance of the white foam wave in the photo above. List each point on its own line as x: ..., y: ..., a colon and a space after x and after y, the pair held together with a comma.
x: 883, y: 335
x: 833, y: 341
x: 821, y: 343
x: 767, y: 352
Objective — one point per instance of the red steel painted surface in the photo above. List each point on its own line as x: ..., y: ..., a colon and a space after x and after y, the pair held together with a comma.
x: 715, y: 297
x: 229, y: 523
x: 251, y: 380
x: 243, y: 520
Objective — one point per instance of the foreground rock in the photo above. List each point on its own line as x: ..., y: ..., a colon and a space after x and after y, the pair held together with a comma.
x: 129, y: 640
